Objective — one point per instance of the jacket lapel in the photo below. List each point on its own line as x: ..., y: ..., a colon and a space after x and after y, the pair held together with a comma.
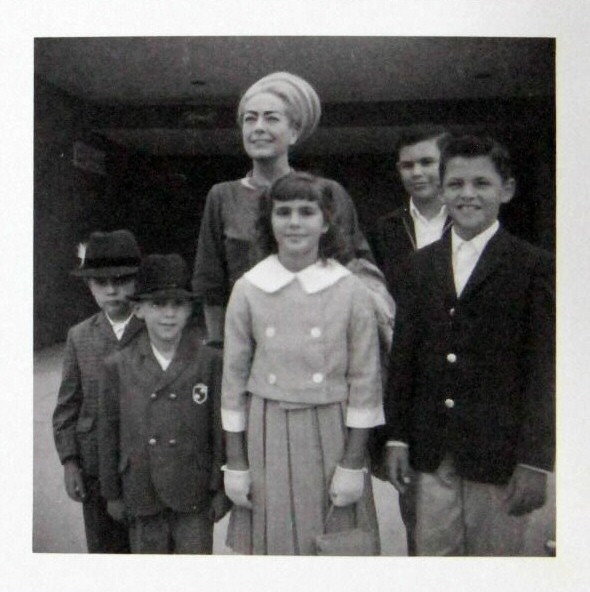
x: 408, y: 225
x: 492, y: 256
x: 184, y: 357
x: 150, y: 367
x: 105, y: 328
x: 443, y: 267
x: 135, y: 325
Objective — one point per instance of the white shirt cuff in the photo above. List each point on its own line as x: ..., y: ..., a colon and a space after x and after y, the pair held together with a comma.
x: 233, y: 420
x: 534, y: 468
x: 364, y: 418
x: 391, y: 443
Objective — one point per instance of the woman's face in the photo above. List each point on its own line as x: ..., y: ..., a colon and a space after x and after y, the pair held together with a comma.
x: 267, y: 131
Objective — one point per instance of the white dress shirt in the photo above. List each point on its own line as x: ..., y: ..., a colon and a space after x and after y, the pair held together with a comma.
x: 162, y: 360
x: 427, y: 231
x: 119, y: 326
x: 466, y: 254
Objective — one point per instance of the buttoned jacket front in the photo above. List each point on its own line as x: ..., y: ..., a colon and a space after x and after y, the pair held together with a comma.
x: 303, y: 339
x: 75, y: 415
x: 474, y: 375
x: 160, y: 431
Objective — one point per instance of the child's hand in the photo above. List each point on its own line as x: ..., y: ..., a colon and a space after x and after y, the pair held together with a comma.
x: 347, y: 486
x: 74, y: 481
x: 116, y: 510
x: 525, y: 491
x: 220, y: 506
x: 397, y: 459
x: 237, y: 486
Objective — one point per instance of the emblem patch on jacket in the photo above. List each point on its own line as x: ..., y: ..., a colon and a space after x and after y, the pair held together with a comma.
x: 200, y: 393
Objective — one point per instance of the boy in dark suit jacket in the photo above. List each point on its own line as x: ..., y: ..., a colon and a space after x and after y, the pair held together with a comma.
x: 470, y: 399
x: 109, y: 263
x: 423, y: 218
x: 160, y: 437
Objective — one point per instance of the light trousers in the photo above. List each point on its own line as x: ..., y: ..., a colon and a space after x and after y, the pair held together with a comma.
x: 455, y: 516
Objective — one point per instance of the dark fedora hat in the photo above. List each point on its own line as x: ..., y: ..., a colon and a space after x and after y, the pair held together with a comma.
x: 108, y: 254
x: 162, y: 276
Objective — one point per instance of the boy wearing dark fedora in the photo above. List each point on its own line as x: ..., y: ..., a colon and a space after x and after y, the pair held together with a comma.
x: 160, y: 437
x: 109, y: 263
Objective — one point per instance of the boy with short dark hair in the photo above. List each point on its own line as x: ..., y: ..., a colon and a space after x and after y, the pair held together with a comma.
x: 109, y: 262
x: 160, y: 435
x: 423, y: 218
x: 470, y: 399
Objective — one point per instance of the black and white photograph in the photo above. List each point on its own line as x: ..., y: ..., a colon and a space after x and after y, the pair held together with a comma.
x: 297, y: 296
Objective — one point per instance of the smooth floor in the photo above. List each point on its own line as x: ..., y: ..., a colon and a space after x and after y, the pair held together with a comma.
x: 57, y: 521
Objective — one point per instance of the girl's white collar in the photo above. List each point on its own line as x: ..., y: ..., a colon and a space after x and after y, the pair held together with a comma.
x: 270, y: 275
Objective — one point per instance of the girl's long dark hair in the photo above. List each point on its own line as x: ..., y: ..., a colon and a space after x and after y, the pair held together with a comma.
x: 298, y: 185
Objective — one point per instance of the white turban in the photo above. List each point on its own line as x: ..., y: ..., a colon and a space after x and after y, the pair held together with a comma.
x: 302, y: 101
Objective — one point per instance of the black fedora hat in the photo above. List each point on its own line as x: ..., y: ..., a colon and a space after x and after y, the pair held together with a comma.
x: 162, y: 276
x: 109, y: 254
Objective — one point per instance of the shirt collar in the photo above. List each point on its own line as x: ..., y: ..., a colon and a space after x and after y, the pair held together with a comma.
x: 270, y: 275
x: 249, y: 183
x: 479, y: 242
x: 119, y: 326
x: 417, y: 215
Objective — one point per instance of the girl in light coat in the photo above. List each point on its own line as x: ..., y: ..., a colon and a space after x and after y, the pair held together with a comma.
x: 301, y: 381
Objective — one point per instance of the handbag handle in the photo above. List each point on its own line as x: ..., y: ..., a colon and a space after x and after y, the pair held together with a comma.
x: 328, y: 515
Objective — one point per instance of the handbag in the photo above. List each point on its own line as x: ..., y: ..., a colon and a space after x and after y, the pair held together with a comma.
x: 351, y: 542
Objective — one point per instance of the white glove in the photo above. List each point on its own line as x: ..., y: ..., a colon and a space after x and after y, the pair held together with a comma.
x: 237, y: 486
x: 347, y: 486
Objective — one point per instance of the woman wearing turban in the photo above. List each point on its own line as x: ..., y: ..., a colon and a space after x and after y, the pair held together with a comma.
x: 275, y: 113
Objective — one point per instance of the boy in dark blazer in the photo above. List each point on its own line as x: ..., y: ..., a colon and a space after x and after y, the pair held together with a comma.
x: 470, y: 399
x: 422, y: 219
x: 160, y: 437
x: 109, y: 262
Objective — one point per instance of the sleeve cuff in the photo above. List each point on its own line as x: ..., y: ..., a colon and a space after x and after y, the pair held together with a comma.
x: 233, y: 420
x: 539, y: 470
x: 364, y: 418
x: 392, y: 443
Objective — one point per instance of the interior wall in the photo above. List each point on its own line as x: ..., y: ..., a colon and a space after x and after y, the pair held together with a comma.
x: 65, y: 200
x: 161, y: 199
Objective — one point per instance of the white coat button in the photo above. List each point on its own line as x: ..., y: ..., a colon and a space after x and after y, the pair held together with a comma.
x: 318, y: 377
x: 270, y: 331
x: 316, y: 332
x: 452, y: 312
x: 172, y: 442
x: 172, y: 396
x: 272, y: 378
x: 451, y: 358
x: 153, y: 396
x: 152, y: 441
x: 449, y: 403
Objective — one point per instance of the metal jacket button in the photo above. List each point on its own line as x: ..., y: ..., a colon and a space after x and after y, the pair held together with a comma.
x: 172, y: 396
x: 449, y: 403
x: 152, y: 441
x: 318, y: 377
x: 172, y: 442
x: 153, y: 396
x: 316, y: 332
x: 270, y: 331
x: 272, y: 378
x: 451, y: 358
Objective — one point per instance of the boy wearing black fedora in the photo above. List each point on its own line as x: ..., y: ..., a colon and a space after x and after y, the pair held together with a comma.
x: 109, y: 263
x: 160, y: 437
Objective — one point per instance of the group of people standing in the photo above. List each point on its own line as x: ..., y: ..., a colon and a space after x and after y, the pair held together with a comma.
x: 303, y: 366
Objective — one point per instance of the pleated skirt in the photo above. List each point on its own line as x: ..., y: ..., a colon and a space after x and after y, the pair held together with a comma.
x: 293, y: 452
